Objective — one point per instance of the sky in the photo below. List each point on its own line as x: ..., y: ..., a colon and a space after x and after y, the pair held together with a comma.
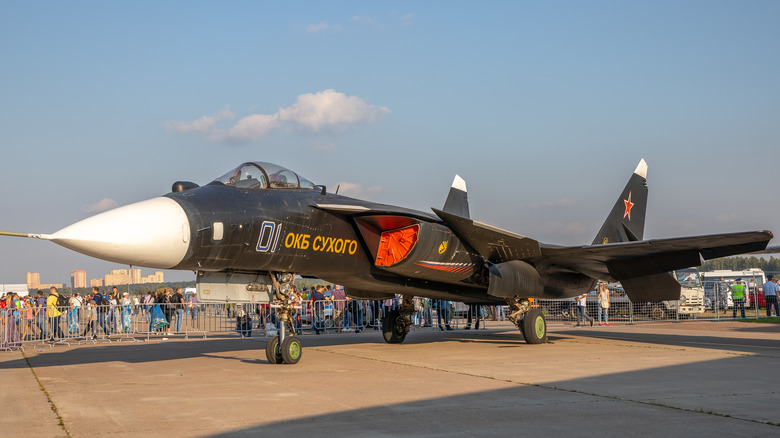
x: 544, y: 108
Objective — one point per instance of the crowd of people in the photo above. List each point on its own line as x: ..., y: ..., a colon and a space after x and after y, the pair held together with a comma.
x: 40, y: 317
x: 327, y: 307
x: 54, y: 316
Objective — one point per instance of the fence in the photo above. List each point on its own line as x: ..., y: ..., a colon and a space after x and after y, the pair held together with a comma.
x: 107, y: 323
x: 92, y: 324
x: 715, y: 298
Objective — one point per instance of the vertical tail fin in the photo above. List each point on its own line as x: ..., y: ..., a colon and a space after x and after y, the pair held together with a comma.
x: 626, y: 221
x: 458, y: 199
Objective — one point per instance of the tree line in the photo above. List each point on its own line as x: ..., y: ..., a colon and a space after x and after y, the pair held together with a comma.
x: 770, y: 265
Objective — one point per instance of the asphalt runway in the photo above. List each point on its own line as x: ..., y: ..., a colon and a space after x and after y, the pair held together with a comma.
x: 694, y: 379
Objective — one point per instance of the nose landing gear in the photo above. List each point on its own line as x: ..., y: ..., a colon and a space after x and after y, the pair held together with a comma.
x: 283, y: 348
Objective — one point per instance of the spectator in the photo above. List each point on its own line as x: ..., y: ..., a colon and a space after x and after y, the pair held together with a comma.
x: 427, y: 313
x: 318, y: 309
x: 127, y: 316
x: 178, y: 308
x: 113, y: 318
x: 164, y: 299
x: 295, y: 300
x: 28, y: 317
x: 244, y: 324
x: 443, y: 312
x: 101, y: 307
x: 770, y: 295
x: 603, y: 299
x: 92, y: 313
x: 147, y: 308
x: 356, y: 313
x: 738, y: 295
x: 500, y: 316
x: 40, y: 315
x: 473, y: 312
x: 54, y: 314
x: 193, y: 309
x: 10, y: 334
x: 582, y: 312
x: 339, y: 299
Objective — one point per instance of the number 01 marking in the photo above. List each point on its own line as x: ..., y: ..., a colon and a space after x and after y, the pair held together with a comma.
x: 269, y: 236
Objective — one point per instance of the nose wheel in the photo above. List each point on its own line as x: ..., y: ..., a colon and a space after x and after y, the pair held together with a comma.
x: 283, y: 348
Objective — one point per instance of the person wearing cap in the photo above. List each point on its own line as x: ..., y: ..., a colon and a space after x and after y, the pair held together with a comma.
x: 770, y: 295
x: 738, y: 295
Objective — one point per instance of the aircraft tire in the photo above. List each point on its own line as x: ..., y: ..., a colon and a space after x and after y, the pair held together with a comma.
x: 534, y: 327
x: 391, y: 330
x: 291, y: 350
x: 272, y: 351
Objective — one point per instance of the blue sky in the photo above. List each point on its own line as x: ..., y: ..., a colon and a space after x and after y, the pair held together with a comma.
x: 544, y: 108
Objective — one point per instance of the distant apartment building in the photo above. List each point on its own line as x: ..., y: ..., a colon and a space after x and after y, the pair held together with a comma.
x: 78, y: 278
x: 157, y: 277
x: 33, y: 280
x: 96, y: 282
x: 117, y: 277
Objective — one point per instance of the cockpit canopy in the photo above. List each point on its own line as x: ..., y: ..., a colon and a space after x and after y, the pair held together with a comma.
x: 259, y: 175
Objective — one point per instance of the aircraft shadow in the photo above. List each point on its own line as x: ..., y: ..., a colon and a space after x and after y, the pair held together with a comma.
x: 676, y: 400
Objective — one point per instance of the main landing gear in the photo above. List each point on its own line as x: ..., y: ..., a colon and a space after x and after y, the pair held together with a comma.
x: 397, y: 323
x: 283, y: 348
x: 529, y: 320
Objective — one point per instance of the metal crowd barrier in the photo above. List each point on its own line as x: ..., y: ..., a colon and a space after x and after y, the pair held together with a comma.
x: 718, y: 305
x: 107, y: 323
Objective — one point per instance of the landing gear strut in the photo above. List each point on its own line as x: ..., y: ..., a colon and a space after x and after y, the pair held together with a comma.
x: 283, y: 348
x: 530, y: 320
x: 397, y: 323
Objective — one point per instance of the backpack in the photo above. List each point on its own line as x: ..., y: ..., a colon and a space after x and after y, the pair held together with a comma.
x: 61, y: 301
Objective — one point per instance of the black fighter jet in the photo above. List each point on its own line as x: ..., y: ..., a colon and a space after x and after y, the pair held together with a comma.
x: 262, y: 220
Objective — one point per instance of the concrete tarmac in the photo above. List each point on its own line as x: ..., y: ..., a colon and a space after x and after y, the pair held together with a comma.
x: 694, y: 379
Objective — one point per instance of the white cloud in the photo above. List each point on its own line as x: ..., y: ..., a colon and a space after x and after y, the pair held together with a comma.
x: 249, y: 128
x: 324, y: 110
x: 329, y: 108
x: 368, y: 21
x: 104, y: 204
x: 319, y: 27
x: 357, y: 191
x: 322, y: 27
x: 203, y: 124
x: 565, y: 202
x: 406, y: 20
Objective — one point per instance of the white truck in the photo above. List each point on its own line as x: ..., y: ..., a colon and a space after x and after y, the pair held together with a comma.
x: 711, y: 280
x: 691, y: 294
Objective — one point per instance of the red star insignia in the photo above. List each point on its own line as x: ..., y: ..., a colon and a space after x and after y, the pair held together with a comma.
x: 629, y: 205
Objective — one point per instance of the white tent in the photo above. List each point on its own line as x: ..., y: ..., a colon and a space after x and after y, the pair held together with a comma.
x: 21, y: 289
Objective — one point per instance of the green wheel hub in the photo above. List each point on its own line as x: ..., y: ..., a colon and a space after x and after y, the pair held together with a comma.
x: 539, y: 326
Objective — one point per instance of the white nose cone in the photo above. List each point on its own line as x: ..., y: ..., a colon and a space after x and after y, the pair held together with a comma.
x: 153, y: 233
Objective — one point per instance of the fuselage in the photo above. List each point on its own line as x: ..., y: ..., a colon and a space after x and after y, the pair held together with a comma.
x: 288, y: 230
